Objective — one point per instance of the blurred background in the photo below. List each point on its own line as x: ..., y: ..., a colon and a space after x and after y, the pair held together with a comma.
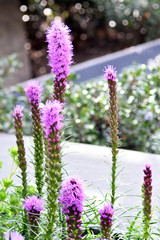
x: 97, y: 28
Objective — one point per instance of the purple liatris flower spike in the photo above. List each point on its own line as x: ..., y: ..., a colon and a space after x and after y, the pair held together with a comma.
x: 33, y: 91
x: 52, y: 122
x: 33, y: 203
x: 52, y: 117
x: 71, y: 198
x: 34, y: 206
x: 13, y: 236
x: 147, y: 194
x: 110, y: 75
x: 18, y: 112
x: 60, y: 52
x: 106, y: 214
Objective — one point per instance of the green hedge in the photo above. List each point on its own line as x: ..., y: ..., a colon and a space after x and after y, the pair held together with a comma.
x: 87, y: 109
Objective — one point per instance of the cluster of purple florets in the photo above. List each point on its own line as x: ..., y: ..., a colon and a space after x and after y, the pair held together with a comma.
x: 147, y: 191
x: 72, y: 195
x: 18, y: 112
x: 33, y: 91
x: 110, y: 73
x: 59, y: 49
x: 106, y: 214
x: 71, y: 198
x: 13, y: 235
x: 33, y: 205
x: 51, y: 116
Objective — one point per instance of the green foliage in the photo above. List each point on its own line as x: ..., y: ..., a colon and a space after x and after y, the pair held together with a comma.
x: 11, y: 209
x: 8, y: 66
x: 139, y: 108
x: 10, y: 203
x: 13, y: 151
x: 138, y: 102
x: 87, y: 109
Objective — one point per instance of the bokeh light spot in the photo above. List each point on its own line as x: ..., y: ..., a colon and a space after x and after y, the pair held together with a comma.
x: 112, y: 23
x: 23, y: 8
x: 25, y: 18
x: 47, y: 11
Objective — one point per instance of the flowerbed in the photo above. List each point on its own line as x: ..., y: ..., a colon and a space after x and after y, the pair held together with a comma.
x: 54, y: 209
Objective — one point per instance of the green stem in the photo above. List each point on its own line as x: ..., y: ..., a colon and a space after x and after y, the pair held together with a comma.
x: 22, y: 164
x: 11, y: 169
x: 60, y: 93
x: 53, y: 179
x: 14, y: 172
x: 114, y: 134
x: 38, y: 148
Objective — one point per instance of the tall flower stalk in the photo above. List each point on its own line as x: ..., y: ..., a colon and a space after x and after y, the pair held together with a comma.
x: 60, y: 53
x: 52, y: 120
x: 110, y: 75
x: 34, y: 206
x: 60, y: 56
x: 20, y: 145
x: 71, y: 198
x: 147, y: 194
x: 106, y: 214
x: 33, y: 91
x: 21, y: 156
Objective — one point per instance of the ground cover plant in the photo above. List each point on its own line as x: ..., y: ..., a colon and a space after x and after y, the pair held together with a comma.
x: 54, y: 208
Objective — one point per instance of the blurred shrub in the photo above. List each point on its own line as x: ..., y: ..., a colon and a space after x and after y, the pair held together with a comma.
x: 139, y: 109
x: 8, y: 66
x: 137, y: 17
x: 97, y: 27
x: 87, y: 108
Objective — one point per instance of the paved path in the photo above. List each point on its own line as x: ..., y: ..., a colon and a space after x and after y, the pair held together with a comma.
x: 92, y: 163
x: 139, y: 54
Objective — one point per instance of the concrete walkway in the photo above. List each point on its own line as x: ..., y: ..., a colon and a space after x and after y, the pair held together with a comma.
x: 136, y: 54
x: 92, y: 163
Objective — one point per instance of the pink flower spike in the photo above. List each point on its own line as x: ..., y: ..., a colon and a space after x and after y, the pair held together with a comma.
x: 18, y: 111
x: 33, y: 203
x: 106, y: 211
x: 72, y: 194
x: 106, y: 214
x: 51, y: 116
x: 148, y: 166
x: 33, y: 91
x: 60, y: 49
x: 110, y: 73
x: 72, y: 197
